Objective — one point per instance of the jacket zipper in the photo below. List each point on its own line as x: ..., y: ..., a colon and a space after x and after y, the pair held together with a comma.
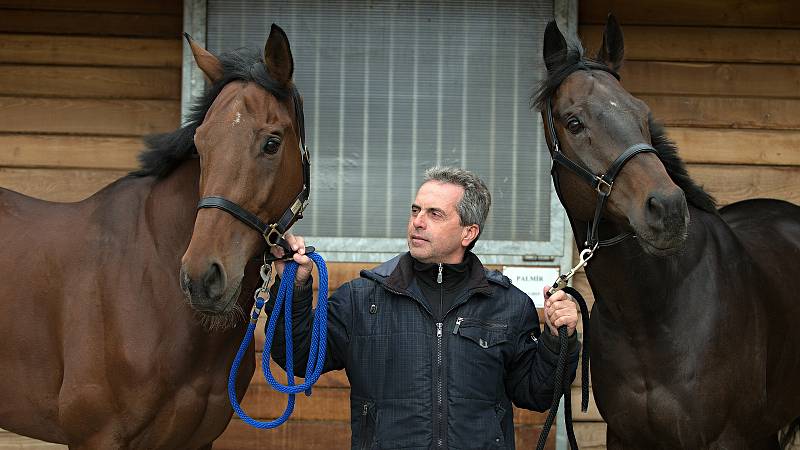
x: 364, y: 417
x: 439, y: 389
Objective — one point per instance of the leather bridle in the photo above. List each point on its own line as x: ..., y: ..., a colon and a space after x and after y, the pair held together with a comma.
x: 603, y: 183
x: 274, y: 231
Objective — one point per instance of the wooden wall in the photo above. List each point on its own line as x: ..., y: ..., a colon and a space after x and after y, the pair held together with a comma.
x: 724, y: 77
x: 80, y: 83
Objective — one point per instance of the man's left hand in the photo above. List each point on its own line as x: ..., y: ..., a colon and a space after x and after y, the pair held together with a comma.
x: 560, y: 309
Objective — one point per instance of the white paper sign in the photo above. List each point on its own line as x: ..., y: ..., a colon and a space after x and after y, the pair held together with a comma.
x: 532, y: 280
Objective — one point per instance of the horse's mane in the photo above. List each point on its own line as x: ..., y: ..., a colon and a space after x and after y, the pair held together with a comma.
x: 167, y: 151
x: 667, y: 150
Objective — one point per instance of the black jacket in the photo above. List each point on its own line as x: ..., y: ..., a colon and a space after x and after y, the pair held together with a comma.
x: 421, y: 384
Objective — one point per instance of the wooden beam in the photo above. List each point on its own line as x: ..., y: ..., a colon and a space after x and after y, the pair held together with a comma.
x: 85, y: 116
x: 90, y: 82
x: 11, y: 441
x: 729, y: 13
x: 90, y: 23
x: 172, y: 7
x: 725, y: 112
x: 734, y: 80
x: 722, y: 146
x: 729, y: 184
x: 79, y: 152
x: 685, y: 44
x: 57, y: 185
x: 90, y: 51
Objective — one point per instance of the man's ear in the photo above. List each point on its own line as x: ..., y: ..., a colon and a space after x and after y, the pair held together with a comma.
x: 469, y: 234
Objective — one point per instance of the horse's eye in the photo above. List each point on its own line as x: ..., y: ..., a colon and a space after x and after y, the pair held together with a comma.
x: 574, y: 125
x: 271, y: 145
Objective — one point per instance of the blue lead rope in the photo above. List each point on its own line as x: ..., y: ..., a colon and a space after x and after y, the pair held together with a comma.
x: 316, y: 354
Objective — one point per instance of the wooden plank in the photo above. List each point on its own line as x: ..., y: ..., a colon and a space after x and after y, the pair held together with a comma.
x: 725, y: 112
x: 89, y: 23
x: 83, y: 116
x: 324, y: 435
x: 729, y: 184
x: 294, y: 434
x: 9, y: 441
x: 736, y: 80
x: 591, y: 435
x: 59, y: 151
x: 57, y: 185
x: 172, y: 7
x: 721, y: 146
x: 686, y: 44
x: 90, y: 82
x: 715, y: 13
x: 80, y: 50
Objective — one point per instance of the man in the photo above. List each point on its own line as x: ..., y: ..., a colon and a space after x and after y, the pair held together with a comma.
x: 436, y: 347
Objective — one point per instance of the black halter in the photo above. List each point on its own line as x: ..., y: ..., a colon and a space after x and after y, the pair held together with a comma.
x: 273, y: 233
x: 602, y: 183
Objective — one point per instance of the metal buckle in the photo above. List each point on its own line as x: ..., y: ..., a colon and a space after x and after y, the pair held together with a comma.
x: 601, y: 185
x: 273, y: 235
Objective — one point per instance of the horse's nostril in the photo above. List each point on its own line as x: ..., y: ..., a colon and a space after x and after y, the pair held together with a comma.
x: 214, y: 281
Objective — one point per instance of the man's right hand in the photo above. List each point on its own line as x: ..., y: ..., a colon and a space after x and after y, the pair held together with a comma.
x: 298, y: 244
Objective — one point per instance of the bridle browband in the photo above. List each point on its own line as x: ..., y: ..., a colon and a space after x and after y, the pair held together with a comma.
x: 602, y: 183
x: 273, y: 232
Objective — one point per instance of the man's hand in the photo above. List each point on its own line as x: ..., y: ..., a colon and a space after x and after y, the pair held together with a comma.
x: 298, y: 244
x: 560, y: 309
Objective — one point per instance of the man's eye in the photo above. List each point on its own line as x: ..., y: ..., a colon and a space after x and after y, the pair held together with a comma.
x: 271, y: 146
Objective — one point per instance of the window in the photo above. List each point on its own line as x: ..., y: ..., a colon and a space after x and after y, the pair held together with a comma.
x: 392, y: 88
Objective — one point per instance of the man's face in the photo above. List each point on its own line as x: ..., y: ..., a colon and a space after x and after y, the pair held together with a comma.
x: 435, y: 233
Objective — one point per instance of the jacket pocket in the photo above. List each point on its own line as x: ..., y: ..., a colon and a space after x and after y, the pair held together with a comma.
x: 485, y: 334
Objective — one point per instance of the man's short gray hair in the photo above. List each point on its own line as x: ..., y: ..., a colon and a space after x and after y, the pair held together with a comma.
x: 474, y: 205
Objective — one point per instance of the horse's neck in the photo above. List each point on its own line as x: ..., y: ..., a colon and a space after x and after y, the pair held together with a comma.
x: 638, y: 290
x: 171, y: 207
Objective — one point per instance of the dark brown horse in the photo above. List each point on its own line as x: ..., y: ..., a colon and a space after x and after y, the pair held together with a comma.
x: 695, y: 341
x: 103, y: 344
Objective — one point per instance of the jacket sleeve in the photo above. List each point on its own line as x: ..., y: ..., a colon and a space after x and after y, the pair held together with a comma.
x: 529, y: 381
x: 339, y: 319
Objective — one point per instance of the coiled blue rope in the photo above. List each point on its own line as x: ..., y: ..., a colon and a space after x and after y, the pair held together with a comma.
x: 316, y: 354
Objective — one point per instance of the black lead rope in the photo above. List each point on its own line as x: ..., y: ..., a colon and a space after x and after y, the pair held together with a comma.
x: 561, y: 383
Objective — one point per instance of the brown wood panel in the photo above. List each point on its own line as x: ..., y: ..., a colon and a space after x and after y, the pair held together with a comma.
x: 734, y: 80
x: 294, y: 434
x: 82, y: 116
x: 731, y: 13
x: 85, y: 152
x: 652, y: 43
x: 326, y: 435
x: 11, y: 441
x: 79, y: 50
x: 725, y: 112
x: 591, y: 435
x: 721, y: 146
x: 57, y: 185
x: 173, y: 7
x: 90, y: 82
x: 729, y: 184
x: 90, y: 23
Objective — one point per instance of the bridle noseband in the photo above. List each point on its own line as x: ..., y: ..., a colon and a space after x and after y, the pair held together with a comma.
x: 603, y: 183
x: 273, y: 232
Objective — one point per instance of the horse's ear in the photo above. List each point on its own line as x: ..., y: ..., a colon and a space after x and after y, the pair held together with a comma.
x: 613, y: 49
x: 205, y: 60
x: 278, y: 56
x: 555, y: 47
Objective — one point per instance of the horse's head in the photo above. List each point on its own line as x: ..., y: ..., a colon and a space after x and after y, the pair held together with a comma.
x: 249, y: 145
x: 595, y: 120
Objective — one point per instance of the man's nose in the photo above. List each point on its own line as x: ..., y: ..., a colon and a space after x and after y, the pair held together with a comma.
x: 418, y: 221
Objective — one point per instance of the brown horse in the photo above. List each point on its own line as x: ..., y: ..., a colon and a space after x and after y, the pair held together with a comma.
x: 694, y: 335
x: 104, y: 345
